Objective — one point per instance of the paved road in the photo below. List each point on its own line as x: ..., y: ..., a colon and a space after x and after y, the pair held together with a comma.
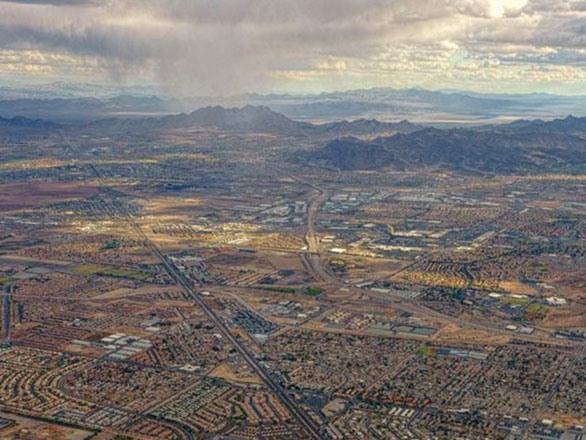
x: 313, y: 260
x: 543, y: 408
x: 312, y: 256
x: 307, y: 423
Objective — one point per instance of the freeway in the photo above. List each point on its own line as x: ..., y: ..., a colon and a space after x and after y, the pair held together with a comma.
x: 312, y: 258
x: 307, y: 423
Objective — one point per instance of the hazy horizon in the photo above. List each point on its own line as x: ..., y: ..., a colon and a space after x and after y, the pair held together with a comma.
x: 191, y: 48
x: 154, y: 91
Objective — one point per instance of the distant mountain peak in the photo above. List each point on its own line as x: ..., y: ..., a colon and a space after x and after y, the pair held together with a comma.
x: 256, y: 119
x: 522, y: 147
x: 23, y: 122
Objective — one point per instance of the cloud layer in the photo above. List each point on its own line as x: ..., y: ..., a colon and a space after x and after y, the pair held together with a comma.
x: 210, y: 46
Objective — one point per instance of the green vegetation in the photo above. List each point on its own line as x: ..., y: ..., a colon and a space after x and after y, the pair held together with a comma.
x: 112, y: 244
x: 515, y: 301
x: 537, y: 308
x: 88, y: 269
x: 536, y: 311
x: 5, y: 279
x: 279, y: 289
x: 309, y: 291
x: 313, y: 291
x: 109, y: 271
x: 427, y: 351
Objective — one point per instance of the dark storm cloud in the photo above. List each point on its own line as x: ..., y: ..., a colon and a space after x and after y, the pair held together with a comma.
x: 216, y: 46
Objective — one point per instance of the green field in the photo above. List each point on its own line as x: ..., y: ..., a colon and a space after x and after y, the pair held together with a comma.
x: 537, y: 308
x: 515, y: 301
x: 88, y: 269
x: 5, y: 279
x: 313, y: 291
x: 279, y: 289
x: 112, y: 244
x: 536, y: 311
x: 427, y: 351
x: 309, y: 291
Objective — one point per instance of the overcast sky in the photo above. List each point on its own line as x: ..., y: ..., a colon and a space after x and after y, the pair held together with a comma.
x: 231, y: 46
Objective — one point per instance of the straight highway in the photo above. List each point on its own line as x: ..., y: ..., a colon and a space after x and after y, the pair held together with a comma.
x: 307, y: 423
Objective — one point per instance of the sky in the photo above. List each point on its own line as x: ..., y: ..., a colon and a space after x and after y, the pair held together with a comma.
x: 220, y: 47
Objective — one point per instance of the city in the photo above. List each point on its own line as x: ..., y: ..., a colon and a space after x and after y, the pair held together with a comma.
x: 400, y: 263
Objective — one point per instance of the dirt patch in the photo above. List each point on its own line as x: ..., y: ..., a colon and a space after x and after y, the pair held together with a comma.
x: 572, y: 285
x: 286, y: 261
x: 35, y: 194
x: 226, y: 372
x: 573, y: 316
x: 30, y: 429
x: 232, y: 260
x: 451, y: 334
x: 517, y: 287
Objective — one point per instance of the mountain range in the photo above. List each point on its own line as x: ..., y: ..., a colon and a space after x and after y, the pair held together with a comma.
x: 363, y: 144
x: 521, y: 146
x: 22, y: 126
x: 251, y: 119
x: 248, y: 119
x: 82, y: 103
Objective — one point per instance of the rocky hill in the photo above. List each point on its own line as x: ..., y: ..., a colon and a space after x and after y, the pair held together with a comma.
x: 496, y: 150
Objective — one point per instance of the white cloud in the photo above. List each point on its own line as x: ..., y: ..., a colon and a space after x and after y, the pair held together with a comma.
x: 206, y: 46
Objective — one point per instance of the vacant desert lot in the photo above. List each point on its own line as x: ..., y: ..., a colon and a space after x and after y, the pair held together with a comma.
x: 35, y: 194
